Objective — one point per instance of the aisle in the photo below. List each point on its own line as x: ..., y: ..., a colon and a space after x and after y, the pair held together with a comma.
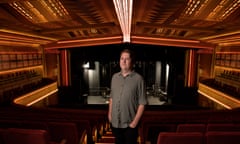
x: 107, y: 138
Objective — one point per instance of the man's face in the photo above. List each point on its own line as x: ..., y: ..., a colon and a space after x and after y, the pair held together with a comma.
x: 125, y: 61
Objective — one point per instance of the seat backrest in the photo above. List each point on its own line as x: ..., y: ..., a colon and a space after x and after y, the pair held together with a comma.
x: 180, y: 138
x: 222, y: 127
x: 222, y: 137
x: 34, y: 125
x: 2, y: 135
x: 26, y: 136
x: 63, y: 131
x: 191, y: 128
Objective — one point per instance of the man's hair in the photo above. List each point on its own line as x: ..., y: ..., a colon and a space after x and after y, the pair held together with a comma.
x: 131, y: 53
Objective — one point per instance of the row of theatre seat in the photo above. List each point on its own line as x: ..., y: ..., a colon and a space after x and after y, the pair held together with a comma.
x: 66, y: 126
x: 94, y: 121
x: 42, y: 132
x: 199, y: 138
x: 202, y: 134
x: 25, y: 136
x: 155, y: 122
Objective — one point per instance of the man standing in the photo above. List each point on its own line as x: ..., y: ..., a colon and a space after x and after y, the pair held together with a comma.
x: 127, y: 100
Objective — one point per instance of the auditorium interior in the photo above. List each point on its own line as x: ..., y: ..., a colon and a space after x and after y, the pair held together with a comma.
x: 57, y: 58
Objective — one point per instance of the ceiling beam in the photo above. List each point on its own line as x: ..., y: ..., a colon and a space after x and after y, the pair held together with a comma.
x: 155, y: 25
x: 95, y: 26
x: 84, y: 42
x: 183, y: 43
x: 222, y: 35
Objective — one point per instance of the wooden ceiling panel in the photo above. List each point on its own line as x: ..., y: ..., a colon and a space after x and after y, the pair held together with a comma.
x: 64, y: 22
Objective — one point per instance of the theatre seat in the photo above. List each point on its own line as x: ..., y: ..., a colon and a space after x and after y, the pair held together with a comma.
x: 2, y: 135
x: 222, y: 127
x: 191, y: 128
x: 26, y: 136
x: 34, y: 125
x: 180, y: 138
x: 63, y: 132
x: 221, y: 137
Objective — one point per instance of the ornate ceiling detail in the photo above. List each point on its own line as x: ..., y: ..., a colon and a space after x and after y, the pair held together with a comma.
x: 73, y: 23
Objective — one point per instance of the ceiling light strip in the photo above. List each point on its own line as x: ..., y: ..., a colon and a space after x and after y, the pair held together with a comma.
x: 124, y: 13
x: 8, y: 31
x: 167, y: 39
x: 227, y: 34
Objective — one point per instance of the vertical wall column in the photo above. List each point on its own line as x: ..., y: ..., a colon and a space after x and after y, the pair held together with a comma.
x: 163, y: 84
x: 212, y: 74
x: 65, y: 67
x: 191, y: 68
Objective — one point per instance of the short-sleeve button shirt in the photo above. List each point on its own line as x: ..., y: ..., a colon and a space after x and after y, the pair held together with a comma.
x: 127, y: 94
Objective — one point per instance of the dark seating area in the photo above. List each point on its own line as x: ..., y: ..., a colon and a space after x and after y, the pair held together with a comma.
x: 222, y: 137
x: 178, y: 121
x: 25, y: 136
x: 211, y: 137
x: 63, y: 125
x: 180, y: 138
x: 196, y: 127
x: 58, y: 132
x: 89, y: 125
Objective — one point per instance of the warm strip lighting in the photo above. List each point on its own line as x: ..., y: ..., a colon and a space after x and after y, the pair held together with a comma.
x: 41, y: 11
x: 21, y: 69
x: 11, y: 43
x: 221, y: 35
x: 236, y: 43
x: 124, y: 12
x: 227, y: 52
x: 192, y: 7
x: 84, y: 42
x: 215, y: 100
x: 168, y: 39
x: 37, y: 95
x: 8, y: 31
x: 43, y: 97
x: 219, y: 97
x: 227, y: 68
x: 234, y: 5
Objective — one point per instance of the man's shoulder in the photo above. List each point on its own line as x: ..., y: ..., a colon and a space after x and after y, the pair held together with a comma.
x: 116, y: 74
x: 136, y: 74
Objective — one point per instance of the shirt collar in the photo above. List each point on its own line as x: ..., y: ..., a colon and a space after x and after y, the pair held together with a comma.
x: 130, y: 74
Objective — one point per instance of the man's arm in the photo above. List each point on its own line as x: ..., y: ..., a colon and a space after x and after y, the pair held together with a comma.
x: 110, y: 110
x: 138, y: 116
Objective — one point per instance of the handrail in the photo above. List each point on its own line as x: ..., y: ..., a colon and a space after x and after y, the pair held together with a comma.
x: 218, y: 97
x: 37, y: 95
